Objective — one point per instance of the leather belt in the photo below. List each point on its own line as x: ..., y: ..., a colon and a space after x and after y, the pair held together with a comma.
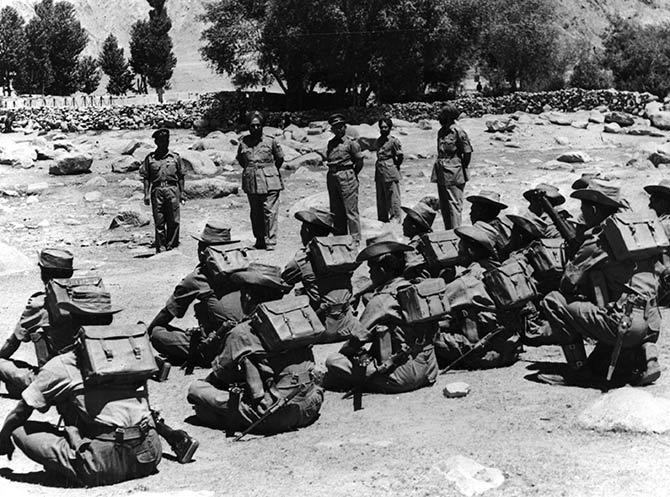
x: 157, y: 184
x: 118, y: 434
x: 338, y: 168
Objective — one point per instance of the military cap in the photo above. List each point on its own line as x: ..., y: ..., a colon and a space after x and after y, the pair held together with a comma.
x: 55, y: 258
x: 526, y: 225
x: 215, y: 233
x: 160, y: 133
x: 584, y: 181
x: 550, y: 191
x: 263, y: 275
x: 317, y: 217
x: 90, y: 300
x: 422, y: 214
x: 383, y: 244
x: 662, y: 189
x: 336, y: 119
x: 487, y: 197
x: 600, y: 192
x: 479, y: 236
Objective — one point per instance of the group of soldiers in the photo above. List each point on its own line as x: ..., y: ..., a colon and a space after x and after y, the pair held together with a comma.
x: 547, y: 277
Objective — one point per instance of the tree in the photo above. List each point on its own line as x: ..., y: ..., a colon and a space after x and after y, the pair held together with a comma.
x: 113, y: 64
x: 54, y: 42
x: 12, y: 45
x: 139, y: 57
x: 521, y: 43
x: 89, y: 74
x: 639, y: 56
x: 590, y: 74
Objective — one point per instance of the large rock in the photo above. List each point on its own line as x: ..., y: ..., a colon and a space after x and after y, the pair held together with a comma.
x: 198, y: 163
x: 659, y: 157
x: 500, y: 125
x: 613, y: 128
x: 311, y: 160
x: 596, y: 117
x: 129, y: 219
x: 367, y: 136
x: 19, y: 155
x: 71, y: 163
x: 96, y: 182
x: 130, y: 147
x: 621, y: 118
x: 628, y: 410
x: 574, y: 157
x: 660, y: 120
x: 132, y: 183
x: 317, y: 201
x: 640, y: 130
x: 125, y: 164
x: 222, y: 158
x: 12, y: 261
x: 652, y: 108
x: 289, y: 153
x: 141, y: 153
x: 209, y: 188
x: 560, y: 119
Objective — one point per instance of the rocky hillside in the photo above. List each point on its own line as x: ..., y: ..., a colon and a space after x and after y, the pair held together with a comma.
x: 582, y: 18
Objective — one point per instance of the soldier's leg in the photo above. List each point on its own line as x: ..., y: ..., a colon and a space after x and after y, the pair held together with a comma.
x: 455, y: 199
x: 211, y: 404
x: 16, y: 375
x: 419, y: 371
x: 158, y: 208
x: 172, y: 343
x: 393, y: 192
x: 336, y: 205
x: 382, y: 206
x: 339, y: 372
x: 172, y: 217
x: 350, y: 199
x: 445, y: 206
x: 270, y: 215
x: 257, y: 218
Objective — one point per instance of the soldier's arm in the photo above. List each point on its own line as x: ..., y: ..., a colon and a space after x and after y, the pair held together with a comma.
x: 144, y: 173
x: 10, y: 346
x: 464, y: 148
x: 277, y: 153
x: 398, y: 156
x: 180, y: 175
x: 356, y: 156
x: 14, y: 420
x: 163, y: 318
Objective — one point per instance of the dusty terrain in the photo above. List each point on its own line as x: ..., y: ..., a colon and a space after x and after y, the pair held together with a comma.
x: 395, y: 446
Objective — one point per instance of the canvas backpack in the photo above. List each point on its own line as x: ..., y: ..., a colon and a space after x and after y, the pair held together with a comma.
x: 635, y: 235
x: 333, y: 254
x: 425, y: 301
x: 511, y: 285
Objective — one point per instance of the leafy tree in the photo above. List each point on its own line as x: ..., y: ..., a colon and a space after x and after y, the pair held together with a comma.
x: 89, y: 74
x: 12, y: 45
x: 113, y: 64
x: 590, y: 74
x: 139, y: 57
x: 639, y: 56
x: 54, y: 42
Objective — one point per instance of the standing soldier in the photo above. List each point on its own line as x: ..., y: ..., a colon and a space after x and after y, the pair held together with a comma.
x: 450, y: 171
x: 261, y: 157
x: 345, y: 161
x: 387, y: 173
x: 163, y: 176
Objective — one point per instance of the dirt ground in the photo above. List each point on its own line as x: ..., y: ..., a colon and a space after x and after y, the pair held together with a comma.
x: 396, y: 445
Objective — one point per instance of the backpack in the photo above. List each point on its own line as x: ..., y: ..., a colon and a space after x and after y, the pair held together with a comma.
x: 221, y: 262
x: 425, y: 301
x: 287, y: 324
x: 467, y: 291
x: 510, y: 285
x: 441, y: 249
x: 635, y: 235
x: 117, y: 354
x: 58, y: 291
x: 333, y: 254
x: 546, y: 255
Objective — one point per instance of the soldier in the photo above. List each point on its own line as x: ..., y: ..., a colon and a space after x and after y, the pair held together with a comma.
x: 387, y: 172
x: 536, y: 212
x: 266, y: 377
x: 417, y: 222
x: 402, y: 357
x: 659, y: 202
x: 261, y: 158
x: 106, y: 439
x: 329, y: 296
x: 486, y: 208
x: 450, y: 171
x: 34, y: 326
x: 163, y: 176
x: 595, y: 292
x: 345, y: 161
x: 218, y: 309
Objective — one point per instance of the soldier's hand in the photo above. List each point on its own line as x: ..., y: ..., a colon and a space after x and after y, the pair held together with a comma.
x: 146, y: 200
x: 7, y: 448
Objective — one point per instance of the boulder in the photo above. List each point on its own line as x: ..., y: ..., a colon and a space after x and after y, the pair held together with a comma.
x: 596, y: 117
x: 71, y: 163
x: 13, y: 261
x: 271, y: 131
x: 299, y: 134
x: 580, y: 124
x: 652, y: 108
x: 317, y: 200
x: 64, y: 145
x: 140, y: 154
x: 198, y: 163
x: 36, y: 188
x: 640, y: 163
x: 289, y: 153
x: 559, y: 119
x: 574, y: 157
x: 366, y: 135
x: 125, y: 164
x: 659, y: 157
x: 131, y: 183
x: 209, y: 188
x: 304, y: 174
x: 96, y: 182
x: 640, y: 130
x: 500, y: 125
x: 425, y: 125
x: 222, y: 158
x: 613, y: 128
x: 660, y: 120
x: 19, y: 155
x: 312, y: 160
x: 314, y: 131
x: 562, y: 140
x: 44, y: 153
x: 129, y: 219
x: 94, y: 196
x: 627, y: 410
x: 620, y: 118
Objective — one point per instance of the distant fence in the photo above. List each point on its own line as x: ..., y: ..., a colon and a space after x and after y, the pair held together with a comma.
x: 81, y: 101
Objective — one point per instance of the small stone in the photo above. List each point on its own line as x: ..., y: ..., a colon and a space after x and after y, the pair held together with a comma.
x: 425, y: 125
x: 71, y: 222
x: 613, y: 128
x: 456, y: 390
x: 96, y: 182
x: 620, y: 118
x: 580, y: 124
x: 94, y: 196
x: 562, y: 140
x: 574, y: 157
x: 44, y: 223
x: 36, y: 188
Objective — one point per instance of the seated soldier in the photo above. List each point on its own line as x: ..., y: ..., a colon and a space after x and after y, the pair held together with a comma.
x: 659, y: 202
x: 485, y: 209
x: 109, y: 436
x: 417, y: 222
x: 595, y: 292
x: 265, y: 377
x: 403, y: 354
x: 35, y: 326
x: 536, y: 212
x: 469, y: 324
x: 217, y: 311
x: 329, y: 296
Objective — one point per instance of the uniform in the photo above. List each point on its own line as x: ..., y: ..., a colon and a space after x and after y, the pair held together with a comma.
x: 503, y: 231
x: 265, y: 378
x: 212, y: 311
x: 387, y: 179
x: 449, y: 174
x: 383, y: 314
x: 108, y: 436
x: 262, y: 182
x: 329, y: 296
x: 342, y: 181
x: 164, y: 175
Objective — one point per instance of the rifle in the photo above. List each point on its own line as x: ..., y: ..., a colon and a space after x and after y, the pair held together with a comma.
x: 278, y: 404
x: 481, y: 343
x: 193, y: 345
x: 624, y: 326
x: 567, y: 232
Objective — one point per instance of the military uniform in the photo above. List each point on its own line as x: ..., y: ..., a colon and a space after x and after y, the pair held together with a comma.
x: 449, y: 174
x: 262, y: 182
x: 265, y: 378
x: 382, y: 314
x: 502, y: 227
x: 108, y: 435
x: 164, y: 175
x: 329, y: 296
x: 342, y: 181
x: 387, y: 179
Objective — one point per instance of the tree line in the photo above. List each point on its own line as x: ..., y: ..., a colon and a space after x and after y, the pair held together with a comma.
x: 44, y: 55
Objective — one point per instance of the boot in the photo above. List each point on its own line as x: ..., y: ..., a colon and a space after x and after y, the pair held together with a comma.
x: 183, y: 445
x: 578, y: 374
x: 652, y: 370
